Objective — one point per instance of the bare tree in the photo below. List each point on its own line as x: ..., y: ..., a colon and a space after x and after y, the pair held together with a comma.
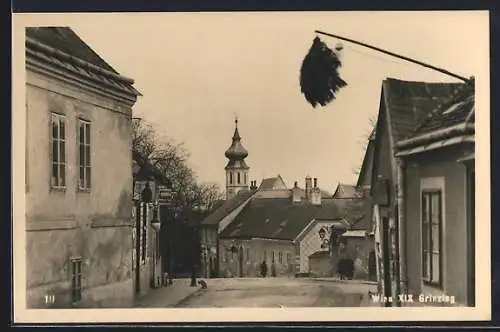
x: 365, y: 140
x: 169, y: 158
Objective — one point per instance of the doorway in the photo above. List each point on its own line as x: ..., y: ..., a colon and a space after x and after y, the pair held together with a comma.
x: 240, y: 261
x: 372, y: 266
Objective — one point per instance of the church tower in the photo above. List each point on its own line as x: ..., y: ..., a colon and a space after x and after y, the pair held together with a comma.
x: 236, y: 168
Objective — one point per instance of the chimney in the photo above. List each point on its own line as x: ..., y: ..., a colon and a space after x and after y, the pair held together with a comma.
x: 308, y: 187
x: 253, y: 185
x: 316, y: 193
x: 296, y: 193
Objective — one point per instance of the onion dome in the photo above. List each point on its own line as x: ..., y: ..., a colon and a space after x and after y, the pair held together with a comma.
x: 236, y: 151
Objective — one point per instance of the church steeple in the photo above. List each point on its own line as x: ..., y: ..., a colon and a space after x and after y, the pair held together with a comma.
x: 236, y: 151
x: 236, y: 168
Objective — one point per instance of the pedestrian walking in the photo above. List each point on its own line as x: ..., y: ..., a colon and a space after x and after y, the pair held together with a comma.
x: 263, y: 269
x: 273, y: 269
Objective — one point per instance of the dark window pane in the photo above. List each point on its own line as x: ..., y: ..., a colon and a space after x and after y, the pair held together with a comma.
x: 81, y: 137
x: 55, y: 151
x: 55, y: 131
x: 55, y: 174
x: 87, y: 155
x: 81, y: 160
x: 87, y: 133
x: 88, y: 177
x: 62, y: 131
x: 62, y: 151
x: 82, y: 177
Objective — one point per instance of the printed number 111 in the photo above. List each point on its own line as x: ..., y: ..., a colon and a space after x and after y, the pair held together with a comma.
x: 50, y: 299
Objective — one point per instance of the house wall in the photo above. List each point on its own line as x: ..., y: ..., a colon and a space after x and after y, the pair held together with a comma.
x: 254, y: 252
x: 208, y: 236
x: 383, y: 164
x: 439, y: 169
x: 320, y: 266
x: 358, y: 249
x: 94, y: 225
x: 382, y: 167
x: 310, y: 243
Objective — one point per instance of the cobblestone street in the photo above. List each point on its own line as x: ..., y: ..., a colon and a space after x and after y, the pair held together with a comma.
x: 278, y: 292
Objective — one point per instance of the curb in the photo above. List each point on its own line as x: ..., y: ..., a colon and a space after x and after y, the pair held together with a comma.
x: 364, y: 282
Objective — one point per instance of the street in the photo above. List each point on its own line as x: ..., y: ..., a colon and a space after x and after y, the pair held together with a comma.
x: 277, y: 292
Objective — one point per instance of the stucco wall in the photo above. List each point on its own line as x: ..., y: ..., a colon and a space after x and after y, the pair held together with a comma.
x: 108, y: 264
x: 320, y: 266
x: 446, y: 170
x: 358, y: 249
x: 96, y: 223
x: 310, y: 243
x: 258, y: 250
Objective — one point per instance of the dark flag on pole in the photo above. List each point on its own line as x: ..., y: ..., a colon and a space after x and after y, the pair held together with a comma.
x: 319, y: 77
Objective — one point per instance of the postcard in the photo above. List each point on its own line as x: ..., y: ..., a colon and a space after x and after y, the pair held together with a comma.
x: 251, y: 166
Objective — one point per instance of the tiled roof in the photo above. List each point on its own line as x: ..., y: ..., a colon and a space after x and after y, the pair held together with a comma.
x: 324, y: 194
x: 449, y: 114
x: 67, y: 41
x: 227, y: 207
x: 278, y: 218
x: 272, y: 183
x: 60, y: 47
x: 346, y: 191
x: 409, y: 102
x: 268, y: 184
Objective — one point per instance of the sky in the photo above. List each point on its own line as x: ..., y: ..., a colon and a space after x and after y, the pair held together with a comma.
x: 197, y: 71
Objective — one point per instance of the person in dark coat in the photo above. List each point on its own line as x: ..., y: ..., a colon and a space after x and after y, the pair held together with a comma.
x: 263, y: 269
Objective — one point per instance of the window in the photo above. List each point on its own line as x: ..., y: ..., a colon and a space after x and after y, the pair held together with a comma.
x: 288, y: 258
x: 248, y: 254
x: 265, y: 255
x: 280, y: 258
x: 245, y: 176
x: 239, y: 179
x: 58, y: 151
x: 76, y: 279
x: 272, y: 256
x: 230, y: 178
x: 84, y: 154
x: 431, y: 237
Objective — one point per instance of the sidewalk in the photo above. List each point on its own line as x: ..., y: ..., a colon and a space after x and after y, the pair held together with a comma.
x: 168, y: 296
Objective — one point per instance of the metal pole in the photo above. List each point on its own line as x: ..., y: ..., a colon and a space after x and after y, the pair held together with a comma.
x: 443, y: 71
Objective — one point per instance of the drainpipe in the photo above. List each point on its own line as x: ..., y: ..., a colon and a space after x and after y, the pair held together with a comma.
x: 403, y: 283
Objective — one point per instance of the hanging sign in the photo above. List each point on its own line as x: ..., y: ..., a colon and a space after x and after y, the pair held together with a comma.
x: 164, y: 194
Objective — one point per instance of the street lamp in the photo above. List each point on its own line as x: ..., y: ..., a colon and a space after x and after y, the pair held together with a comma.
x: 155, y: 223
